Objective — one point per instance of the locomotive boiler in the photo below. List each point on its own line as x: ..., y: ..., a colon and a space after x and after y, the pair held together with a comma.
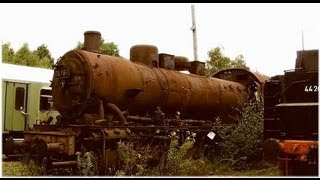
x: 139, y: 85
x: 103, y: 99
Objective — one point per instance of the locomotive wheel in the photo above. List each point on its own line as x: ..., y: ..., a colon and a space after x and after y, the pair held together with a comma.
x: 39, y: 148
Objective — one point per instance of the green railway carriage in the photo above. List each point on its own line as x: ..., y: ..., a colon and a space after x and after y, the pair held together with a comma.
x: 26, y: 98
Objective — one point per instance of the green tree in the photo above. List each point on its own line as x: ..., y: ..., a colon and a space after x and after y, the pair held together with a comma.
x: 25, y: 57
x: 109, y: 48
x: 40, y: 57
x: 44, y: 55
x: 217, y: 61
x: 8, y: 53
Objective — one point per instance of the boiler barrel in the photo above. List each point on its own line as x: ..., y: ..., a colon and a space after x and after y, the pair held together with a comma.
x: 141, y: 88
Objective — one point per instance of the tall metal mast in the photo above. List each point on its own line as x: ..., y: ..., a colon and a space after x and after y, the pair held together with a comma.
x: 302, y: 40
x: 194, y: 32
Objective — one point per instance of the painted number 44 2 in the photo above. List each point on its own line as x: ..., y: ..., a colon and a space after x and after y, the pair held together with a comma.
x: 311, y: 89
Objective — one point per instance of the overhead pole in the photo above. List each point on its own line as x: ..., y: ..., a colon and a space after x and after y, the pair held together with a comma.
x: 302, y: 40
x: 194, y: 33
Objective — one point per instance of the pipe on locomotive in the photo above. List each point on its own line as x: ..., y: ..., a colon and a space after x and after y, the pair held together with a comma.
x: 146, y: 81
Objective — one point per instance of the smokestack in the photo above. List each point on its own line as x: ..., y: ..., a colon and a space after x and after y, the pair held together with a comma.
x: 92, y: 41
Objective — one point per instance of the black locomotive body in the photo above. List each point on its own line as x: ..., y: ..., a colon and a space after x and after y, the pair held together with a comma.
x: 291, y: 116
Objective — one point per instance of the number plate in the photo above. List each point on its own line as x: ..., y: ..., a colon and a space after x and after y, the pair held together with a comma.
x: 62, y: 72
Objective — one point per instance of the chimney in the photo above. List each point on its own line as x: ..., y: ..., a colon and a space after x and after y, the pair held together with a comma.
x: 92, y: 41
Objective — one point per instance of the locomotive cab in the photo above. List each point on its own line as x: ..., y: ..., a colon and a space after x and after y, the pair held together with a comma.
x: 291, y: 117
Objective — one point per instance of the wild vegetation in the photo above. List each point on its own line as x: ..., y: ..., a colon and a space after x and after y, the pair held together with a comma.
x: 238, y: 152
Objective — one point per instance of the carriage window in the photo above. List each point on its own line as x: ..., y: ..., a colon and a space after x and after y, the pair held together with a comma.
x: 45, y: 100
x: 19, y: 102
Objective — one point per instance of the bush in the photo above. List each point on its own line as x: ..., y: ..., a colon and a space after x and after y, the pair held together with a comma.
x: 135, y: 162
x: 180, y: 164
x: 241, y: 143
x: 239, y: 146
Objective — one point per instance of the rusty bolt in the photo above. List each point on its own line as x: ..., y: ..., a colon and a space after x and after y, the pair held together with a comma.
x: 117, y: 131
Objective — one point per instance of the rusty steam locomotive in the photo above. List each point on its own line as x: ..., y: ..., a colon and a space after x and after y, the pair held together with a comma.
x: 103, y: 99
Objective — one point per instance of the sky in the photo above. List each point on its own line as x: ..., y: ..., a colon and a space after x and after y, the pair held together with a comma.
x: 267, y: 35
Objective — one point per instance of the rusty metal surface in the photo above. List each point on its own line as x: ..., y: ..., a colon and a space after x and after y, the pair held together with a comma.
x: 115, y: 133
x: 297, y: 147
x: 240, y: 75
x: 92, y: 41
x: 139, y: 88
x: 166, y: 61
x: 197, y: 67
x: 181, y: 63
x: 262, y: 78
x: 55, y: 140
x: 111, y: 158
x: 145, y: 54
x: 243, y: 76
x: 57, y: 147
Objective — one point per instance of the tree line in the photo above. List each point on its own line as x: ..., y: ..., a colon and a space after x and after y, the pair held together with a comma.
x: 41, y: 56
